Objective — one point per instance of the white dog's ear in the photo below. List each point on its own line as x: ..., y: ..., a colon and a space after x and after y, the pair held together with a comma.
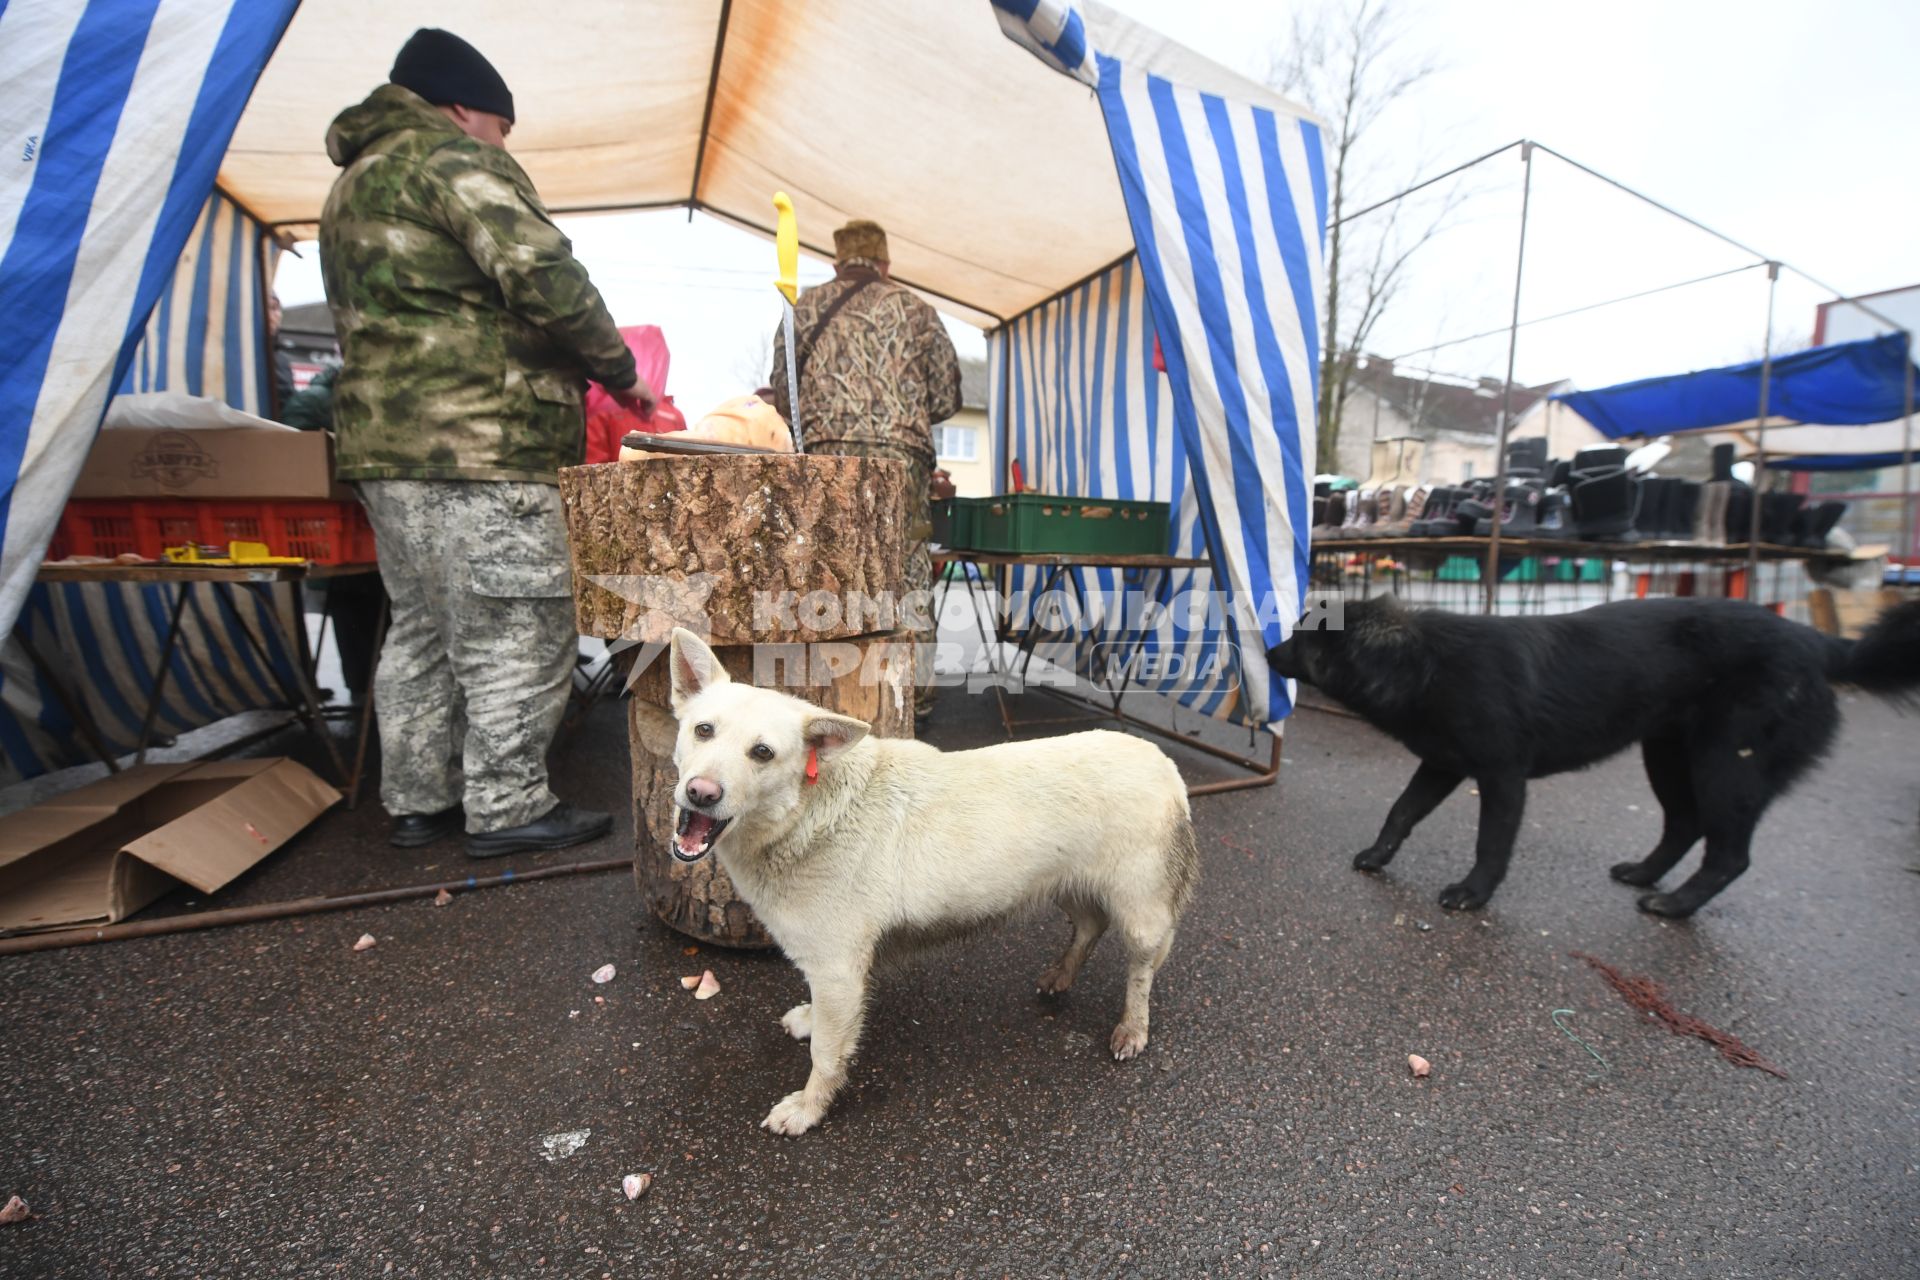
x: 830, y: 734
x: 693, y: 667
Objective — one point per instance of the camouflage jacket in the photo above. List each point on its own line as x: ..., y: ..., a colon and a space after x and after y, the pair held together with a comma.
x: 468, y: 328
x: 882, y: 372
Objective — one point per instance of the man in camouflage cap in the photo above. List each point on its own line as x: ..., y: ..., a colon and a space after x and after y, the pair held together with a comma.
x: 877, y: 371
x: 469, y: 331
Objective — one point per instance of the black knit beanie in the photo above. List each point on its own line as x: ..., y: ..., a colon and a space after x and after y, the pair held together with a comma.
x: 447, y: 71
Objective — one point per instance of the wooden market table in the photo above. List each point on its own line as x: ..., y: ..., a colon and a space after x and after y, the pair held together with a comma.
x: 974, y: 566
x: 301, y: 694
x: 1647, y: 558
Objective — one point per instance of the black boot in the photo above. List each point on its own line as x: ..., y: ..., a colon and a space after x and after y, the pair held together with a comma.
x: 561, y: 827
x: 1438, y: 511
x: 411, y: 830
x: 1606, y: 505
x: 1739, y: 512
x: 1516, y: 514
x: 1778, y: 512
x: 1816, y: 522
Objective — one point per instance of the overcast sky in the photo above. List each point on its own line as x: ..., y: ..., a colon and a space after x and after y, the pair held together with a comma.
x: 1786, y: 126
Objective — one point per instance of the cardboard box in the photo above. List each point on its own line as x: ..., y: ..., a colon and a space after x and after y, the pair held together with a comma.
x: 216, y: 462
x: 101, y: 852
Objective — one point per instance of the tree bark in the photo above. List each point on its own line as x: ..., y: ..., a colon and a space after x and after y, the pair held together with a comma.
x: 738, y: 548
x: 870, y: 678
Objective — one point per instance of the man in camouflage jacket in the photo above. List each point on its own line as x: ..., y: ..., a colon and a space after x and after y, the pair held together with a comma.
x: 877, y: 371
x: 469, y: 331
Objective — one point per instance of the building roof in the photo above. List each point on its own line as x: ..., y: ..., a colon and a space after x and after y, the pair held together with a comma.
x: 1435, y: 403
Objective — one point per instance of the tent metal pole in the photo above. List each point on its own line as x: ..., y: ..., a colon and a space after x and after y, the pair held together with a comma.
x: 1906, y: 471
x: 1760, y: 442
x: 1427, y: 182
x: 1492, y: 572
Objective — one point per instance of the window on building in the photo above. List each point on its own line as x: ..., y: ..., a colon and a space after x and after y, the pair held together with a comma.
x: 956, y: 444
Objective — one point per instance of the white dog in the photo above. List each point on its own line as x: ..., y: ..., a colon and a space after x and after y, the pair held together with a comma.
x: 853, y: 849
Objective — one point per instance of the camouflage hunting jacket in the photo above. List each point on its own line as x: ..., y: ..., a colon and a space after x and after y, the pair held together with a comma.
x: 468, y: 327
x: 882, y: 372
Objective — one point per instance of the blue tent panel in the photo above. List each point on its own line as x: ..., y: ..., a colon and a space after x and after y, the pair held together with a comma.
x: 1846, y: 384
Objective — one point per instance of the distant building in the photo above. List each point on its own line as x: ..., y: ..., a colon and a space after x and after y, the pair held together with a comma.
x: 1455, y: 421
x: 962, y: 444
x: 1839, y: 321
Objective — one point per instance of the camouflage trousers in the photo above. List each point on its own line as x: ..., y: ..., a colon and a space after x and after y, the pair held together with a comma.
x: 479, y: 657
x: 919, y: 545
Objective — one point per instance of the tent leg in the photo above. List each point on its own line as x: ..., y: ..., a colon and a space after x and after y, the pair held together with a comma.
x: 1491, y: 577
x: 1906, y: 472
x: 1760, y: 438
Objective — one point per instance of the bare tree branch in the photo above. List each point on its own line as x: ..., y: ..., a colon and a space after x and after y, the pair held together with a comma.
x: 1349, y: 60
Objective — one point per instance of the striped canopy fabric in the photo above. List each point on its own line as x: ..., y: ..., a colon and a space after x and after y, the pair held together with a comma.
x: 87, y: 653
x: 118, y: 116
x: 207, y: 335
x: 1227, y: 202
x: 1053, y: 31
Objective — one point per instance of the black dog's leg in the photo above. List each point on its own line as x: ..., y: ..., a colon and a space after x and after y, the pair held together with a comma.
x: 1671, y: 774
x: 1732, y: 791
x: 1423, y: 795
x: 1502, y: 801
x: 1726, y: 860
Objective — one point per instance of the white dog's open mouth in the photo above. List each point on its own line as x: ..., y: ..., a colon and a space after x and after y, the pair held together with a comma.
x: 694, y: 837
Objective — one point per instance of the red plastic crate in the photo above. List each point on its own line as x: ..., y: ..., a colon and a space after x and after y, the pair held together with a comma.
x: 120, y: 526
x: 323, y: 532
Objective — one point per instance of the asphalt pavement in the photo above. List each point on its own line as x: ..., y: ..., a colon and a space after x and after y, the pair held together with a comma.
x: 266, y: 1101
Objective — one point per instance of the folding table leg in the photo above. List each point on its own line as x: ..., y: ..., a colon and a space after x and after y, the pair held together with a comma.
x: 160, y: 674
x: 303, y: 694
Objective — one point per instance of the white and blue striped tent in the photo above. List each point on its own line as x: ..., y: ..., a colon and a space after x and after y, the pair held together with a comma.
x: 1145, y: 194
x: 120, y: 268
x: 118, y: 117
x: 1228, y: 202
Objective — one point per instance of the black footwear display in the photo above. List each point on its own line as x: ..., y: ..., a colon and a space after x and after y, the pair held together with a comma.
x: 1600, y: 457
x: 1516, y: 514
x: 1527, y: 457
x: 1813, y: 522
x: 1550, y: 520
x: 1739, y: 512
x: 1778, y: 512
x: 411, y: 830
x: 1606, y: 504
x: 1438, y: 511
x: 562, y: 827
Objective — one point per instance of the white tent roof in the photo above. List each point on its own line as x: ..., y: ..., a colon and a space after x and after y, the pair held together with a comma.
x: 993, y: 177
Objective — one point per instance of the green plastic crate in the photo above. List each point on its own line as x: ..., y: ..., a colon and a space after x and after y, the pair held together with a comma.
x: 1037, y: 522
x: 953, y: 523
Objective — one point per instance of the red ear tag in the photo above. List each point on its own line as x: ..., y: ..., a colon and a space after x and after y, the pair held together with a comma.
x: 813, y: 765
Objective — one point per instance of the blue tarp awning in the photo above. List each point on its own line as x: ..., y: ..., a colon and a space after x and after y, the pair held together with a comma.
x: 1846, y: 384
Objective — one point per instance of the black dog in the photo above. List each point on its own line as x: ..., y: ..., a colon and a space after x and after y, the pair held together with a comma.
x: 1729, y: 702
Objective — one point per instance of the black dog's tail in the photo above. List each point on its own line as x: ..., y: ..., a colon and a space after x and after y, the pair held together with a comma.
x: 1886, y: 659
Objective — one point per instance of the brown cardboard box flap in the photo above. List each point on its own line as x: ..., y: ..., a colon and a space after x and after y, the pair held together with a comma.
x: 247, y: 813
x: 101, y: 852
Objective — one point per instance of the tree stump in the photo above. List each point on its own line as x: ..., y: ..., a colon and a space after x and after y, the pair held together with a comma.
x: 738, y: 548
x: 868, y: 677
x: 793, y: 563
